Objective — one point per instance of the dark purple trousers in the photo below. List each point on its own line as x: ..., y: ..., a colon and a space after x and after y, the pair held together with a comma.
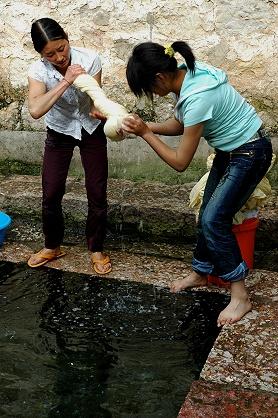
x: 57, y: 157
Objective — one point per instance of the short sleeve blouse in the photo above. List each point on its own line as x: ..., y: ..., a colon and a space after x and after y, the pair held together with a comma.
x: 71, y: 111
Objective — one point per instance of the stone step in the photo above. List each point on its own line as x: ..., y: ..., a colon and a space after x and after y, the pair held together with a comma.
x: 143, y: 211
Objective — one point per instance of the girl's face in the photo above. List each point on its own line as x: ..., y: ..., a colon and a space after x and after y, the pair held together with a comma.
x: 58, y: 53
x: 161, y: 86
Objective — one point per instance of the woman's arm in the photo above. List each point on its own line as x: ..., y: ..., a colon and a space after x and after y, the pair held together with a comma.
x: 178, y: 158
x: 40, y: 100
x: 170, y: 127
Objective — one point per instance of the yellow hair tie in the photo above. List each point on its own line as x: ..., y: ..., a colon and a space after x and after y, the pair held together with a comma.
x: 169, y: 50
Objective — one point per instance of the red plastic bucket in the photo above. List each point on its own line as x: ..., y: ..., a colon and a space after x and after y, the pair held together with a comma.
x: 245, y: 234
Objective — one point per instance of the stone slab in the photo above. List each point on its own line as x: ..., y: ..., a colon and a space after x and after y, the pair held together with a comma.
x: 28, y: 146
x: 245, y: 354
x: 143, y: 209
x: 208, y: 400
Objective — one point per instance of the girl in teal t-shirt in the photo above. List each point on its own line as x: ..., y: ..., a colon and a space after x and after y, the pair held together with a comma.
x: 207, y: 105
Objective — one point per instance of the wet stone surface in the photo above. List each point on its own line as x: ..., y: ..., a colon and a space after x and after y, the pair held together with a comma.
x: 249, y: 362
x: 210, y: 400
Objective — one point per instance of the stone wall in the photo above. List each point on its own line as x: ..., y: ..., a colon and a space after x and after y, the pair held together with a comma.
x: 241, y: 37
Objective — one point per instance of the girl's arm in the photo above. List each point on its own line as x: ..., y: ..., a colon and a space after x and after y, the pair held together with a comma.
x: 170, y: 127
x: 178, y: 158
x: 40, y: 100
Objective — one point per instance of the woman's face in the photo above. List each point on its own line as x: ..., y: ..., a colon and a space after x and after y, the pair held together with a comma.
x: 58, y: 53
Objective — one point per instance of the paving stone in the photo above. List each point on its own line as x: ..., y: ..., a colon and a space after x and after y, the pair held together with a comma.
x: 245, y: 354
x: 208, y: 400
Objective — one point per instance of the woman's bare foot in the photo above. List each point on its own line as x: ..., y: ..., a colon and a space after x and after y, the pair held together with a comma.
x: 239, y: 305
x: 101, y: 262
x: 193, y: 280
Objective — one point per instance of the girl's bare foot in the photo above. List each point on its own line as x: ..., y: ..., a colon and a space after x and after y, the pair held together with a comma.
x: 234, y: 311
x: 239, y: 305
x: 193, y: 280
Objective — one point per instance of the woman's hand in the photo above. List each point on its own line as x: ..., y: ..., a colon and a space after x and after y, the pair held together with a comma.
x: 135, y: 125
x: 96, y: 114
x: 73, y: 71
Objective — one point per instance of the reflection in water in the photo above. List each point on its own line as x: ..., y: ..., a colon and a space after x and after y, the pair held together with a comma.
x: 79, y: 346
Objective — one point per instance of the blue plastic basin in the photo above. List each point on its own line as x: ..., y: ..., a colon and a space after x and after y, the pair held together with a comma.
x: 5, y: 221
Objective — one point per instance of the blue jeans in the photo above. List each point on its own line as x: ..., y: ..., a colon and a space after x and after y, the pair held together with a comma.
x: 233, y: 178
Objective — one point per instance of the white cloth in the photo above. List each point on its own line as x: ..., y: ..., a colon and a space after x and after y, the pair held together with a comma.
x: 113, y: 111
x: 71, y: 111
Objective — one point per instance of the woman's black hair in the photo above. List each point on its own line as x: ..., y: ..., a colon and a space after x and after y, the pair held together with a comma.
x: 45, y: 30
x: 150, y: 58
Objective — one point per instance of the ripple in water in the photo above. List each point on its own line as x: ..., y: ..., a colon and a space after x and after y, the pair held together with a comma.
x: 79, y: 346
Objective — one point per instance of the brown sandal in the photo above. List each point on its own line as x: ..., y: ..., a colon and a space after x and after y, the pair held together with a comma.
x: 103, y: 262
x: 46, y: 258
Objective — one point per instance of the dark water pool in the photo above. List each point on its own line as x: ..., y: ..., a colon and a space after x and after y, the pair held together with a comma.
x: 78, y: 346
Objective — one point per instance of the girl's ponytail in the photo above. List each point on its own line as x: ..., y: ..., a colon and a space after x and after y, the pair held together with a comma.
x: 186, y: 52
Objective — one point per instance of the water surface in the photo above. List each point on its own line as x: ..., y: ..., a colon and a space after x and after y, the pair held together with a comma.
x: 79, y: 346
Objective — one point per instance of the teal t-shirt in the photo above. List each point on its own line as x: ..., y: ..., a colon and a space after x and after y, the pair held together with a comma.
x: 206, y: 96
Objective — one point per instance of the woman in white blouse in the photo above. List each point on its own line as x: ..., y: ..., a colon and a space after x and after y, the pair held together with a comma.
x: 69, y: 124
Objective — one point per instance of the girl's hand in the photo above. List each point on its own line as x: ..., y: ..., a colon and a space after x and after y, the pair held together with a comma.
x: 72, y: 72
x: 135, y: 125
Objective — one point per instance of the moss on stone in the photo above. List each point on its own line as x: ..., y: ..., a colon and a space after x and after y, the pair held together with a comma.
x: 10, y: 167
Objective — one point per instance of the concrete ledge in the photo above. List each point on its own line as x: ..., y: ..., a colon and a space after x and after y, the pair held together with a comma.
x: 143, y: 210
x: 28, y: 146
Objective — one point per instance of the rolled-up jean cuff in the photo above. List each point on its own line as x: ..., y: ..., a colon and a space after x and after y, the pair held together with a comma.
x: 237, y: 274
x: 201, y: 267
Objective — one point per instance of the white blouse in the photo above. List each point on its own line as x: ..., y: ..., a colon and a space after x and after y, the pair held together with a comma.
x: 71, y: 111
